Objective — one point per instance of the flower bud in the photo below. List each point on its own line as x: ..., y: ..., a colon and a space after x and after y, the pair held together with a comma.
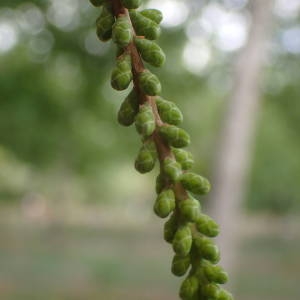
x: 211, y: 291
x: 150, y: 52
x: 122, y: 31
x: 128, y: 109
x: 207, y: 249
x: 224, y: 295
x: 182, y: 240
x: 168, y: 111
x: 195, y: 183
x: 165, y: 203
x: 149, y: 83
x: 170, y: 229
x: 97, y: 2
x: 171, y: 168
x: 144, y: 26
x: 160, y: 183
x: 185, y: 158
x: 215, y: 273
x: 131, y: 4
x: 145, y: 121
x: 189, y: 288
x: 104, y: 23
x: 190, y: 209
x: 180, y: 265
x: 175, y: 136
x: 122, y: 75
x: 207, y: 226
x: 146, y: 158
x: 153, y: 14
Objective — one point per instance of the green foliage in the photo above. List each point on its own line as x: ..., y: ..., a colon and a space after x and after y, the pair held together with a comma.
x: 190, y: 209
x: 180, y: 264
x: 207, y: 226
x: 195, y: 183
x: 165, y: 203
x: 131, y: 3
x: 146, y: 158
x: 153, y: 14
x: 182, y: 241
x: 171, y: 169
x: 129, y: 109
x: 145, y: 121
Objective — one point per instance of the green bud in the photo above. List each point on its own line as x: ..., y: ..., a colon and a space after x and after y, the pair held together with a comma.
x: 129, y: 109
x: 97, y: 2
x: 165, y: 203
x: 150, y: 52
x: 122, y: 75
x: 224, y: 295
x: 211, y: 290
x: 170, y: 229
x: 190, y: 209
x: 146, y: 158
x: 207, y: 226
x: 145, y: 121
x: 104, y: 23
x: 160, y: 183
x: 153, y: 14
x: 185, y: 158
x: 189, y: 288
x: 122, y: 31
x: 182, y: 240
x: 168, y: 111
x: 195, y: 183
x: 180, y: 265
x: 215, y: 273
x: 171, y: 168
x: 207, y: 249
x: 144, y: 26
x: 175, y: 136
x: 131, y: 4
x: 149, y: 83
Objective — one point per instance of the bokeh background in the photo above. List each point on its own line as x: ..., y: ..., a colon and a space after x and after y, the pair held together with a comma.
x: 76, y: 218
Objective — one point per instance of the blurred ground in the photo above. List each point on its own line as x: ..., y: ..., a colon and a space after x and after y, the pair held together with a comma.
x: 61, y: 262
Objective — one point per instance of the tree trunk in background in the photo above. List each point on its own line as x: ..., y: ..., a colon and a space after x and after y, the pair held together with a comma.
x: 235, y: 145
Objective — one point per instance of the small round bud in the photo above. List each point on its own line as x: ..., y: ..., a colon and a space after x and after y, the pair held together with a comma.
x: 149, y: 83
x: 97, y: 3
x: 150, y: 52
x: 224, y: 295
x: 131, y: 4
x: 182, y: 240
x: 128, y: 109
x: 104, y: 23
x: 122, y: 75
x: 189, y: 288
x: 211, y: 291
x: 207, y: 249
x: 165, y: 203
x: 184, y: 157
x: 160, y: 183
x: 175, y: 136
x: 144, y: 26
x: 195, y: 183
x: 145, y: 121
x: 146, y: 158
x: 153, y: 14
x: 207, y: 226
x: 168, y: 111
x: 190, y: 209
x: 171, y: 168
x: 170, y: 229
x: 180, y: 265
x: 215, y: 273
x: 122, y: 31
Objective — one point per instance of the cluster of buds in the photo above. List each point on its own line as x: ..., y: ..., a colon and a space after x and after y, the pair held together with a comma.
x: 156, y: 120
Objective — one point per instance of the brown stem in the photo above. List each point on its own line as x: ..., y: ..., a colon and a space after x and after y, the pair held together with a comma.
x: 163, y: 149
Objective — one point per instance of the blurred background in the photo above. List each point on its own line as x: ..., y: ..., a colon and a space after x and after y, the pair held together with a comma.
x: 76, y: 218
